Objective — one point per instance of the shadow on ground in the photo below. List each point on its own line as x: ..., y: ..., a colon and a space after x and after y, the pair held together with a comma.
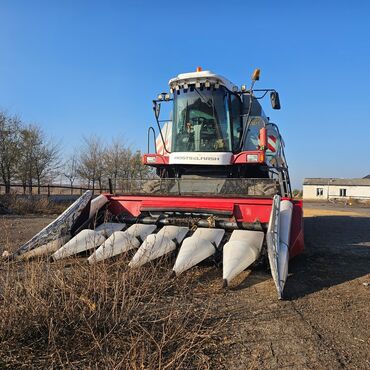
x: 337, y: 249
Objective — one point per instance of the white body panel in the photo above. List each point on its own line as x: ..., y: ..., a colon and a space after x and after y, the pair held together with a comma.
x: 207, y: 158
x: 286, y: 210
x: 202, y: 76
x: 167, y: 137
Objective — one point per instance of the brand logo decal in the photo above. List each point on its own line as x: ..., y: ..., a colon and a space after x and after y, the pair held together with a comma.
x: 196, y: 158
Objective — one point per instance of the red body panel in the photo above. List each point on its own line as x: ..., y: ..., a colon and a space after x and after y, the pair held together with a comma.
x: 296, y: 233
x: 242, y: 157
x: 155, y: 159
x: 243, y: 209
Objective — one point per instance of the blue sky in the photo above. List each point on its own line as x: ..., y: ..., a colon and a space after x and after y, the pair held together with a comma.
x: 92, y: 67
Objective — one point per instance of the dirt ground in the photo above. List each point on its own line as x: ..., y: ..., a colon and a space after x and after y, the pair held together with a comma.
x: 324, y: 323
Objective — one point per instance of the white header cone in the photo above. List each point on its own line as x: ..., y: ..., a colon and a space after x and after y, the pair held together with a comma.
x: 44, y: 250
x: 157, y: 245
x: 96, y: 204
x: 243, y: 248
x: 121, y: 241
x: 85, y: 240
x: 197, y: 248
x: 108, y: 228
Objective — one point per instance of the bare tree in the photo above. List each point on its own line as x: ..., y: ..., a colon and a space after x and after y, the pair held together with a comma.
x: 137, y: 169
x: 9, y: 148
x: 27, y: 155
x: 115, y: 161
x: 70, y: 170
x: 116, y: 157
x: 29, y: 140
x: 46, y: 160
x: 90, y: 161
x: 39, y: 158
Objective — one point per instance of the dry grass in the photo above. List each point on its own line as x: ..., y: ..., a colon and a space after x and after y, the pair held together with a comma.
x: 71, y: 315
x: 318, y: 212
x: 22, y: 205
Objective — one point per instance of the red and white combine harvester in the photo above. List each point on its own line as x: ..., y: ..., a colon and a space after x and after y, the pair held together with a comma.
x: 222, y: 190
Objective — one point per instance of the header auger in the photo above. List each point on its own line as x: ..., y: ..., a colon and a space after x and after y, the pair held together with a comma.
x: 222, y: 189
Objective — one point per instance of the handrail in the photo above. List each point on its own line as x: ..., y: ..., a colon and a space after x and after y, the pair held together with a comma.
x: 151, y: 129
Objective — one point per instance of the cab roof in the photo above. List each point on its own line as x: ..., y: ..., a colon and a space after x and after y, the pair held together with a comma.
x: 201, y: 77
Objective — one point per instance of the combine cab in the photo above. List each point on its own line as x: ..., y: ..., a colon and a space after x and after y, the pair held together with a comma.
x: 222, y: 189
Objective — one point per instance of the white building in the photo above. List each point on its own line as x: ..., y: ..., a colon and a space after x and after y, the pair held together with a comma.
x: 336, y: 189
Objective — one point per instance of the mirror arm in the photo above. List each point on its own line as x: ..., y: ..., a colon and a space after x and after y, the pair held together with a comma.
x: 246, y: 129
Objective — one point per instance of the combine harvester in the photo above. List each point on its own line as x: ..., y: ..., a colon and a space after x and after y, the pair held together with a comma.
x: 222, y: 190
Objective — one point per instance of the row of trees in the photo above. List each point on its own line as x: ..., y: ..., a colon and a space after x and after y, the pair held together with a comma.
x: 95, y: 163
x: 28, y: 157
x: 26, y: 154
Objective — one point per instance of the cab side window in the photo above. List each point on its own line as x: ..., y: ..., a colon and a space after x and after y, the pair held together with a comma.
x: 252, y: 141
x: 236, y: 121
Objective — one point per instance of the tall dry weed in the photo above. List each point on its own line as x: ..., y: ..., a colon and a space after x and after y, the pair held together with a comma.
x: 72, y: 315
x: 21, y: 205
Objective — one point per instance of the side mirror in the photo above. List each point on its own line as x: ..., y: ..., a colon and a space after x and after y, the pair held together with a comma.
x: 275, y: 101
x: 157, y: 109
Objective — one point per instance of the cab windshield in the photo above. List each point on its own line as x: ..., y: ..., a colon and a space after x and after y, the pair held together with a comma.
x: 206, y: 120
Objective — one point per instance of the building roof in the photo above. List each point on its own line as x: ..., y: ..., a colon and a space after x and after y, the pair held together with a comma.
x: 338, y: 182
